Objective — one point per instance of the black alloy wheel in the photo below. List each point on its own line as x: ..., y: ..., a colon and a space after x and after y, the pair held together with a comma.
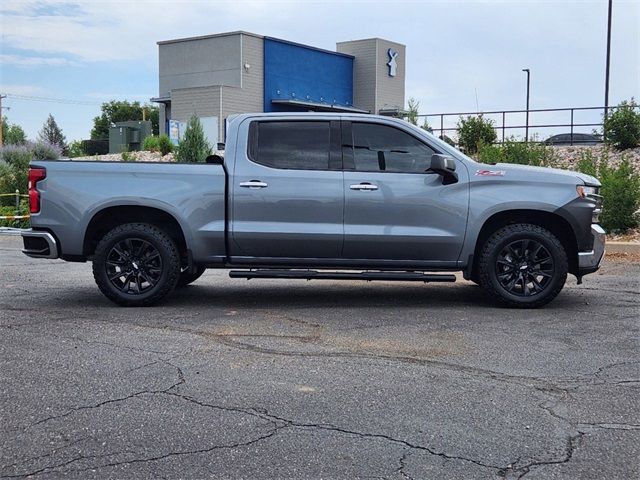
x: 525, y: 267
x: 134, y: 266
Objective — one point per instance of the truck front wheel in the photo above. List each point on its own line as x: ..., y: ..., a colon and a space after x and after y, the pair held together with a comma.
x: 523, y: 265
x: 136, y: 265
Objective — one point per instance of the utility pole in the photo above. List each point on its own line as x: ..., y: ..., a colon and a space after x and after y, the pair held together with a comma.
x: 606, y: 81
x: 1, y: 139
x: 526, y: 134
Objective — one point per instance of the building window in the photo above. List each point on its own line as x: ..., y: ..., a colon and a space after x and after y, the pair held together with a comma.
x: 300, y: 145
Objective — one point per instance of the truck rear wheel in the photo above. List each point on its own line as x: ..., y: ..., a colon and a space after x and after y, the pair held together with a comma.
x: 523, y: 265
x: 136, y: 265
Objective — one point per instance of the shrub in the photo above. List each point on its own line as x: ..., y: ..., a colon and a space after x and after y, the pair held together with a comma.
x: 473, y: 131
x: 620, y: 191
x: 165, y: 144
x: 14, y: 175
x: 588, y: 163
x: 194, y: 146
x: 14, y: 166
x: 11, y: 210
x: 76, y: 149
x: 44, y: 150
x: 151, y: 144
x: 622, y: 127
x: 523, y: 153
x: 126, y: 155
x: 15, y: 154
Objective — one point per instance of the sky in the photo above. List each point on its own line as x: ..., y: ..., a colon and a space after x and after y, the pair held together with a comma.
x: 461, y: 55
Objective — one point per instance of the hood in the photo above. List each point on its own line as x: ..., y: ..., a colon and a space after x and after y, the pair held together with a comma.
x: 545, y: 172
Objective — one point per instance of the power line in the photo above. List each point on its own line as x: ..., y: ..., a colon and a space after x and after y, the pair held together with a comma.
x: 67, y: 101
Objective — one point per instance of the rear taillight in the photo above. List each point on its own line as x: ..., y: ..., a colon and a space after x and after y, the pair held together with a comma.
x: 35, y: 175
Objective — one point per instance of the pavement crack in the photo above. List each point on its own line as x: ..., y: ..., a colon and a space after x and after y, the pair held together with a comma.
x: 181, y: 380
x: 570, y: 447
x: 156, y: 458
x: 401, y: 470
x: 379, y: 436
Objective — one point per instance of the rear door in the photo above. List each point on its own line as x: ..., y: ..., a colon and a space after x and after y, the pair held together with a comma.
x: 394, y: 208
x: 287, y: 190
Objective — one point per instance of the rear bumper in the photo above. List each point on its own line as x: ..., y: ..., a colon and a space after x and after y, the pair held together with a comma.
x: 589, y: 262
x: 39, y: 244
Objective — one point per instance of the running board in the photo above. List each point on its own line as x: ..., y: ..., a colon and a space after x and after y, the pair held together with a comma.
x: 316, y: 275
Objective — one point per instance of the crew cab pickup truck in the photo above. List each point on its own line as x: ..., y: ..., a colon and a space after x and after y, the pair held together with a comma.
x: 319, y: 196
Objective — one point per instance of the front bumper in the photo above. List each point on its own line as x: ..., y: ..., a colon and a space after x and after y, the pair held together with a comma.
x: 589, y: 262
x: 39, y: 244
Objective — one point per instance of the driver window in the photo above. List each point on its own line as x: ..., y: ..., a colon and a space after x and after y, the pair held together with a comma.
x: 381, y: 148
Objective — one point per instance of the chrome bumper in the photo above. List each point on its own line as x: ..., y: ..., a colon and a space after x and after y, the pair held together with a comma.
x: 591, y: 260
x: 39, y: 244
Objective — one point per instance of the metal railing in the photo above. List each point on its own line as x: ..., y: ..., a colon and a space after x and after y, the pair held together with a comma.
x: 18, y: 206
x: 502, y: 125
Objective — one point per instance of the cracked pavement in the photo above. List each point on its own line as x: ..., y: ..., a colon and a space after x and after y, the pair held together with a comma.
x: 293, y: 379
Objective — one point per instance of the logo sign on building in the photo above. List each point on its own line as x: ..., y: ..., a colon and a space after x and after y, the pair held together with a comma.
x: 393, y: 64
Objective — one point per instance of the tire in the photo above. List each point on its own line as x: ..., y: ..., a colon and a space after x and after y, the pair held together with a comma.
x: 523, y: 265
x: 186, y: 278
x: 146, y: 257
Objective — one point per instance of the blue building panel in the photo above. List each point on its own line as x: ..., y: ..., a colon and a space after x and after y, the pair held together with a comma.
x: 307, y: 74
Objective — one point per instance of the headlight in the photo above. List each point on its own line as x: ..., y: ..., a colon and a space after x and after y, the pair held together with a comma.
x: 591, y: 193
x: 586, y: 190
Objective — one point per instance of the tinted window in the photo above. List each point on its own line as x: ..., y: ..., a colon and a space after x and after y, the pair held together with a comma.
x: 382, y: 148
x: 290, y: 145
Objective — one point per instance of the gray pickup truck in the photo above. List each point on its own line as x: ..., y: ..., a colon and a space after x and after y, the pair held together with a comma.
x: 319, y: 196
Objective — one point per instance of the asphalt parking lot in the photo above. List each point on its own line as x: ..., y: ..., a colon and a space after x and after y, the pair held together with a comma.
x: 327, y: 379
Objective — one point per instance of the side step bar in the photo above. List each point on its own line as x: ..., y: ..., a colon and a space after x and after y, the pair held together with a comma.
x: 316, y: 275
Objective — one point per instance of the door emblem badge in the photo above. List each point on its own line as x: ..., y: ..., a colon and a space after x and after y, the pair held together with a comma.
x: 490, y: 173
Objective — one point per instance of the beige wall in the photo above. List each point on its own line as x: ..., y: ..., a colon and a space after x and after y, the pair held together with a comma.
x: 203, y: 101
x: 223, y: 100
x: 373, y: 88
x: 364, y: 70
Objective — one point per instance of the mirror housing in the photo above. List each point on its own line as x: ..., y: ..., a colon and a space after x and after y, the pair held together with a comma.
x: 445, y: 166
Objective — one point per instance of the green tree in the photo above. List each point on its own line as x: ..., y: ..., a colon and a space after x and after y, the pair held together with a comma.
x: 622, y: 127
x: 52, y: 133
x: 12, y: 134
x: 122, y: 111
x: 413, y: 107
x: 475, y: 131
x: 193, y: 147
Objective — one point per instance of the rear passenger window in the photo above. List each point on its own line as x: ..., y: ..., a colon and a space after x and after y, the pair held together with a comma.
x: 290, y: 145
x: 381, y: 148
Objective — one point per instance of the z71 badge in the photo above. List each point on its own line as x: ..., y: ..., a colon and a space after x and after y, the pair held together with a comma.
x: 490, y: 173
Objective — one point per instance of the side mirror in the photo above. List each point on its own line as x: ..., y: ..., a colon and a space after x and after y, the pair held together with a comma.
x: 444, y: 166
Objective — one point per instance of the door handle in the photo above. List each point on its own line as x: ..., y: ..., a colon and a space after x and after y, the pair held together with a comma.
x: 254, y: 184
x: 363, y: 186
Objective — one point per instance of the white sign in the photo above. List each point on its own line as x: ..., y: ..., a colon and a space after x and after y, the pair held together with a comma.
x: 393, y: 65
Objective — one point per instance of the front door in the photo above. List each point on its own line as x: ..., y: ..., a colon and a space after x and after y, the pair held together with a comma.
x: 394, y: 208
x: 287, y: 191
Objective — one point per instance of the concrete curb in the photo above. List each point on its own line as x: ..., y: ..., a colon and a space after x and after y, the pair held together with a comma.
x: 629, y: 248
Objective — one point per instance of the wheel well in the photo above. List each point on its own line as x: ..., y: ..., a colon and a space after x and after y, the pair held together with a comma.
x: 109, y: 218
x: 551, y: 221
